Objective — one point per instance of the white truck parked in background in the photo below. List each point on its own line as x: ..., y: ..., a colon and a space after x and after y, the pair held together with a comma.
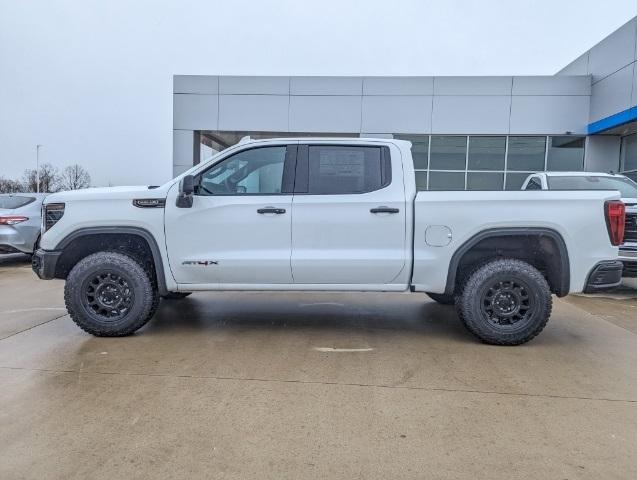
x: 598, y: 181
x: 332, y: 215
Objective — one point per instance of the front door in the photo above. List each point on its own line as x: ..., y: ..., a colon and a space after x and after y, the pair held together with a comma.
x: 238, y: 230
x: 348, y: 215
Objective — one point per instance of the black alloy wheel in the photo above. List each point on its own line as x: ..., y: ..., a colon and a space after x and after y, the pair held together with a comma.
x: 108, y: 295
x: 507, y: 304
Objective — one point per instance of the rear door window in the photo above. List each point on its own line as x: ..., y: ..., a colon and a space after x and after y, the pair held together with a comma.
x: 342, y: 169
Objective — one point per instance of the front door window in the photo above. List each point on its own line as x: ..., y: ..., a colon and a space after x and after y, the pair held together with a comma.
x: 258, y: 171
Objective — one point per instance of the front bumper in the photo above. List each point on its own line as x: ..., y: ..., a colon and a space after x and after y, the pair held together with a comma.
x: 44, y: 263
x: 604, y: 276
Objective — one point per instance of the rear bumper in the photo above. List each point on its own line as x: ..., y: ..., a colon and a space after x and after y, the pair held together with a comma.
x: 9, y: 249
x: 44, y: 263
x: 630, y: 269
x: 11, y: 241
x: 605, y: 275
x: 628, y: 255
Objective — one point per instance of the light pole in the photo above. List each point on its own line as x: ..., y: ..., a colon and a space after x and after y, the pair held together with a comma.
x: 37, y: 168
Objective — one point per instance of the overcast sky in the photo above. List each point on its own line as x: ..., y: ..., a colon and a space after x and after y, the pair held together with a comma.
x: 92, y: 80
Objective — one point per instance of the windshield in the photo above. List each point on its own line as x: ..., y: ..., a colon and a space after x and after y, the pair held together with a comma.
x: 626, y: 187
x: 14, y: 201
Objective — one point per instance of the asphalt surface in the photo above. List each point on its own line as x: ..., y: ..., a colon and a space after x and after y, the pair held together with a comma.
x: 297, y: 385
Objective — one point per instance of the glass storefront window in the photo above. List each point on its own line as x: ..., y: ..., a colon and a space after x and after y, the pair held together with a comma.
x: 629, y: 153
x: 419, y: 149
x: 446, y: 180
x: 485, y: 181
x: 486, y: 153
x: 421, y: 181
x: 516, y: 180
x: 565, y: 154
x: 448, y: 153
x: 526, y: 153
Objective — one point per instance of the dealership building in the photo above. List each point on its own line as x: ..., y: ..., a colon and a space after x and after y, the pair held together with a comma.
x: 484, y: 133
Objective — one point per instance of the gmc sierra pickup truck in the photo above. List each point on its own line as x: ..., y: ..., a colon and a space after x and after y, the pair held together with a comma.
x: 332, y: 215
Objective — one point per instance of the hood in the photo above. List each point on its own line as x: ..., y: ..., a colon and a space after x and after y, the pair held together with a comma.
x: 107, y: 193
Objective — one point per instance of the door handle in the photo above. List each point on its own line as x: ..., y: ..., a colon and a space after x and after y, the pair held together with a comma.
x: 384, y: 210
x: 278, y: 211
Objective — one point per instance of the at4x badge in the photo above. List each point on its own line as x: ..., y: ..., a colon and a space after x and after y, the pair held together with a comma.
x: 200, y: 263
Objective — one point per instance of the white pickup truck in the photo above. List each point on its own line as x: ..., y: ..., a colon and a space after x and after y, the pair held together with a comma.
x: 330, y: 215
x: 598, y: 181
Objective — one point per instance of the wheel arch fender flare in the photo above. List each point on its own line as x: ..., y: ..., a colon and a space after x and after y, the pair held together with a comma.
x: 563, y: 284
x: 125, y: 230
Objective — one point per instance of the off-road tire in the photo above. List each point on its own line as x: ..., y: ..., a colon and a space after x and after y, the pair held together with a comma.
x: 442, y: 298
x: 143, y: 304
x: 175, y: 295
x: 476, y: 303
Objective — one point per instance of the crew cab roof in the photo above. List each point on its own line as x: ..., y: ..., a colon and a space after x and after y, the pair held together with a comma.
x: 321, y: 139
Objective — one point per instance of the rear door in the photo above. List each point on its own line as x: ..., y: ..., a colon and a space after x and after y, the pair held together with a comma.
x: 348, y: 214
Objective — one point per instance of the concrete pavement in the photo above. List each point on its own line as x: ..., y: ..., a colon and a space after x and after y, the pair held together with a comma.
x: 296, y: 385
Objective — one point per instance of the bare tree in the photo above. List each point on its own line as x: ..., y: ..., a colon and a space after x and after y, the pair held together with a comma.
x: 10, y: 186
x: 75, y: 177
x: 49, y: 179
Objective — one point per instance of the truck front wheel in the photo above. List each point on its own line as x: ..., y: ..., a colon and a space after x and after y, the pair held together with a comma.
x: 505, y: 302
x: 109, y: 294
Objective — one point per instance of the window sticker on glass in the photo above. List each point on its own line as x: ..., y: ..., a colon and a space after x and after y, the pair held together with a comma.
x: 344, y: 170
x: 344, y: 164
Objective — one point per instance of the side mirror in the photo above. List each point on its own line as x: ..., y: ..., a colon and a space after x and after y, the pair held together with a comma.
x: 186, y: 190
x: 188, y: 185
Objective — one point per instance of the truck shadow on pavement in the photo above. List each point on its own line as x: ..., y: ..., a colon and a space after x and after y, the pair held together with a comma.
x: 284, y: 310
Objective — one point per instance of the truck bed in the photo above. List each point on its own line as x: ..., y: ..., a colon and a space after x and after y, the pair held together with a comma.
x: 445, y: 221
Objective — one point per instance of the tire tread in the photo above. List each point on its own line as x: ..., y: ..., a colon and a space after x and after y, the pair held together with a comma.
x: 473, y: 320
x: 149, y: 293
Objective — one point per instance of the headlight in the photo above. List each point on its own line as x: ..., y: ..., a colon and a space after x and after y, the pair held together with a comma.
x: 51, y: 215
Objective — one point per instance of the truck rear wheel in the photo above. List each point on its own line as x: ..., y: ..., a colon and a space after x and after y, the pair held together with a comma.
x: 442, y: 298
x: 505, y: 302
x: 109, y: 294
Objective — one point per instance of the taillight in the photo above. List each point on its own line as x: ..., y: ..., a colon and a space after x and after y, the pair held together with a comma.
x: 12, y: 219
x: 615, y: 220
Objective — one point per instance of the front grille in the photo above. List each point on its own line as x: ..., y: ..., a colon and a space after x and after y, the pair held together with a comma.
x: 630, y: 234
